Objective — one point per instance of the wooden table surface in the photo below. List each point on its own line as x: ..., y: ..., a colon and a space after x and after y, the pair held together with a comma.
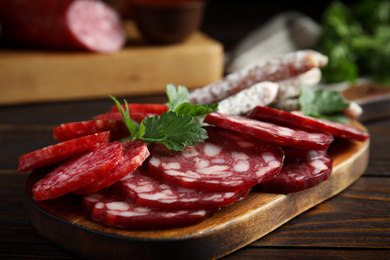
x: 352, y: 225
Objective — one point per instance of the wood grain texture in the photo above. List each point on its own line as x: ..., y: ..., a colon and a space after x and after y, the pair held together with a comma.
x: 231, y: 228
x: 140, y: 68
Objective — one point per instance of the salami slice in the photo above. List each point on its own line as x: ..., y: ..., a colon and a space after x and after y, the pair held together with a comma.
x: 67, y: 25
x: 78, y: 171
x: 156, y: 109
x: 136, y: 116
x: 60, y: 152
x: 226, y: 161
x: 278, y: 134
x: 134, y: 154
x: 297, y: 119
x: 73, y: 130
x: 148, y: 191
x: 301, y: 170
x: 276, y: 69
x: 107, y: 208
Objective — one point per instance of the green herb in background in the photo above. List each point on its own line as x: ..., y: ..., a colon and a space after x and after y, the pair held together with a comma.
x: 356, y: 39
x: 323, y: 103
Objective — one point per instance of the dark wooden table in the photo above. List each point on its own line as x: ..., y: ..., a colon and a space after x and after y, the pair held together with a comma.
x: 352, y: 225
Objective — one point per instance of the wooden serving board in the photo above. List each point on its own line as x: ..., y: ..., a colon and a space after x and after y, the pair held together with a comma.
x: 63, y: 222
x: 28, y: 76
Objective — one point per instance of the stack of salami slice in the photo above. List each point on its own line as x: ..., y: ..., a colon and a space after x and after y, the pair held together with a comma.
x: 134, y: 185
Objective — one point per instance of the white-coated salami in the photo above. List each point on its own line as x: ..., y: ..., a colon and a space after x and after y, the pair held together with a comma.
x: 109, y: 209
x: 260, y: 94
x: 276, y: 69
x: 226, y: 161
x: 78, y: 171
x: 145, y: 190
x: 291, y: 87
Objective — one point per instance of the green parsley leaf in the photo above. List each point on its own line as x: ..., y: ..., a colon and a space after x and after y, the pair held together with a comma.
x: 176, y: 97
x: 178, y: 127
x: 130, y: 124
x: 173, y: 130
x: 323, y: 103
x: 355, y: 37
x: 178, y: 102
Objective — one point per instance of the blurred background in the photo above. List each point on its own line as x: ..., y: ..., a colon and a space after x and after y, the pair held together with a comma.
x: 228, y: 36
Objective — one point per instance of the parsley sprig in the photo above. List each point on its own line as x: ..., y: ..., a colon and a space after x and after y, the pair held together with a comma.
x: 323, y: 103
x: 176, y: 128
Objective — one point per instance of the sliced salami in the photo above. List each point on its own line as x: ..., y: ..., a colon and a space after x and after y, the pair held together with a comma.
x: 78, y: 171
x: 67, y: 25
x: 297, y: 119
x: 109, y: 209
x: 60, y: 152
x: 276, y: 69
x: 148, y: 191
x: 156, y: 109
x: 301, y: 170
x: 226, y: 161
x: 134, y: 154
x: 136, y: 116
x: 278, y: 134
x: 73, y: 130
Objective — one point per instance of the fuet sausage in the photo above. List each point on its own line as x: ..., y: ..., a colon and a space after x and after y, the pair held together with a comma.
x: 276, y: 69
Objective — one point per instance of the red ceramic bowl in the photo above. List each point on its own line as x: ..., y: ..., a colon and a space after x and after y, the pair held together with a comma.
x: 167, y: 21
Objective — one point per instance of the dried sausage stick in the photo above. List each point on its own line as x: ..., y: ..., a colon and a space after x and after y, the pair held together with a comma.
x: 260, y: 94
x: 290, y: 87
x: 276, y: 69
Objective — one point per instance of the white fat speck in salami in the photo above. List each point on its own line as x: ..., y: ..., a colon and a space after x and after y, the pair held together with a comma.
x: 222, y: 162
x: 278, y: 134
x: 78, y: 171
x: 302, y: 169
x: 109, y: 209
x: 145, y: 190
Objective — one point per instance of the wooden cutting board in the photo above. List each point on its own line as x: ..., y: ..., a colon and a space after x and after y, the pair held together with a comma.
x: 62, y: 221
x: 140, y: 68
